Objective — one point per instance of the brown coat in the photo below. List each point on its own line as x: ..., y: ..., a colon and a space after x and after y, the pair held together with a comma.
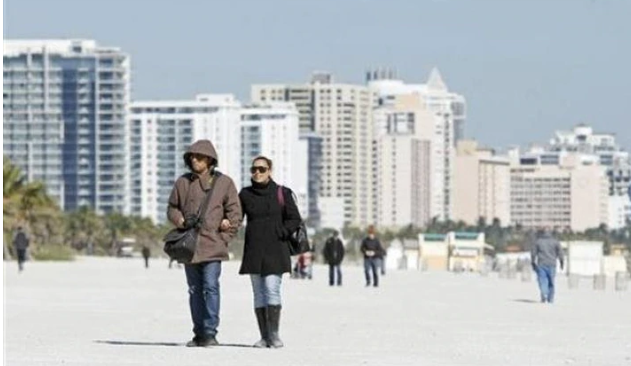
x: 189, y: 193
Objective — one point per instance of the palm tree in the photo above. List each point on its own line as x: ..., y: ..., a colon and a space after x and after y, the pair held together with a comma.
x: 20, y: 198
x: 27, y: 204
x: 12, y: 184
x: 33, y: 198
x: 116, y: 225
x: 83, y: 227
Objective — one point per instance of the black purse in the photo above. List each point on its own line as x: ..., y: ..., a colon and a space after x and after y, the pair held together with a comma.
x: 180, y: 244
x: 298, y: 240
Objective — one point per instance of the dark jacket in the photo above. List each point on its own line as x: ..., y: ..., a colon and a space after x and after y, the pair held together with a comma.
x: 333, y: 251
x: 546, y: 250
x: 146, y: 252
x: 187, y: 196
x: 20, y: 240
x: 268, y: 226
x: 374, y: 245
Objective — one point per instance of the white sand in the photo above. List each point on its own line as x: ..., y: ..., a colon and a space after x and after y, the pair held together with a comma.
x: 114, y: 312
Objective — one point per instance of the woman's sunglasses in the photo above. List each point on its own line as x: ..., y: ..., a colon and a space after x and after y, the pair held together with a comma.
x: 260, y: 169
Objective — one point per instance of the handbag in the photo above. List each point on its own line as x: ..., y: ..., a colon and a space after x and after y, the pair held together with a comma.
x: 180, y: 244
x: 298, y: 240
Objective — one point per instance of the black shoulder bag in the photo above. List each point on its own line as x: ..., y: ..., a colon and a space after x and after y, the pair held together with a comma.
x: 180, y: 244
x: 298, y: 240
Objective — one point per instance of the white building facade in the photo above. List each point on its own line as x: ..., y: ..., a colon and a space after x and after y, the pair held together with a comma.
x: 162, y: 131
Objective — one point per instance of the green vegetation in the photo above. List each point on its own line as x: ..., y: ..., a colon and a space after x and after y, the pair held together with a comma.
x: 58, y: 235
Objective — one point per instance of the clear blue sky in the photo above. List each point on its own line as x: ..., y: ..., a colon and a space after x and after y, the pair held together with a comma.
x: 526, y: 67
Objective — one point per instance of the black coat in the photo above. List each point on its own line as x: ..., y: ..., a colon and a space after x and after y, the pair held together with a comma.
x: 372, y: 245
x: 333, y: 251
x: 266, y: 250
x: 20, y: 240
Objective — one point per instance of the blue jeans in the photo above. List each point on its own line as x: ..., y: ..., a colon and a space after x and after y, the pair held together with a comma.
x: 545, y: 277
x: 371, y: 264
x: 203, y: 291
x: 266, y: 290
x: 333, y: 270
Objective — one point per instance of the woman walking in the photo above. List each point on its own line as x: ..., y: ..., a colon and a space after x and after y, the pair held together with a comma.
x: 272, y: 215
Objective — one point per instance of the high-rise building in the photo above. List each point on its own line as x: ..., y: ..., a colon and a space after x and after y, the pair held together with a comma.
x: 271, y: 129
x: 592, y: 148
x: 449, y: 110
x: 314, y: 164
x: 341, y: 114
x: 404, y: 132
x: 571, y: 195
x: 162, y: 131
x: 65, y: 107
x: 481, y: 184
x: 435, y: 96
x: 302, y: 95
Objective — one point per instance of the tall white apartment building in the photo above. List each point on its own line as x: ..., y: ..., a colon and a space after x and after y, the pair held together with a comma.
x: 481, y: 184
x: 449, y: 110
x: 600, y: 149
x: 435, y: 96
x: 271, y: 129
x: 162, y: 131
x: 341, y: 114
x: 65, y: 106
x: 403, y: 151
x: 572, y: 195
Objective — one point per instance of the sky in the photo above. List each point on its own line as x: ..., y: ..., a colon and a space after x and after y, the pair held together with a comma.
x: 526, y: 67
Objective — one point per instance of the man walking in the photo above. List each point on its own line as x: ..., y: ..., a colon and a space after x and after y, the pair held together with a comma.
x: 544, y: 255
x: 372, y: 249
x: 202, y: 274
x: 20, y: 243
x: 334, y: 255
x: 146, y: 254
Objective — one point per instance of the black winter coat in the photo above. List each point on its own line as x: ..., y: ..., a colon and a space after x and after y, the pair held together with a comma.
x: 333, y: 251
x: 266, y: 250
x: 372, y: 245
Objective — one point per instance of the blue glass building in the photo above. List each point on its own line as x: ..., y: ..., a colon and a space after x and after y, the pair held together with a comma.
x: 65, y: 105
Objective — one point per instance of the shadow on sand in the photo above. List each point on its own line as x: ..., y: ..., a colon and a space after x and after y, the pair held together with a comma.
x: 527, y: 301
x: 163, y: 344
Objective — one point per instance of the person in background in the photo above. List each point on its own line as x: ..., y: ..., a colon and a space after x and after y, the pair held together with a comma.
x: 305, y: 265
x: 371, y: 249
x: 21, y: 243
x: 545, y: 252
x: 146, y: 254
x: 381, y: 261
x: 333, y: 253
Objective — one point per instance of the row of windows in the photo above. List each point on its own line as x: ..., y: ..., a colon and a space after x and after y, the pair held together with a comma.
x: 174, y: 110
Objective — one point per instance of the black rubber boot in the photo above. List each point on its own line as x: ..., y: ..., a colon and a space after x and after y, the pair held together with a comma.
x: 273, y: 320
x: 261, y: 319
x: 202, y: 342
